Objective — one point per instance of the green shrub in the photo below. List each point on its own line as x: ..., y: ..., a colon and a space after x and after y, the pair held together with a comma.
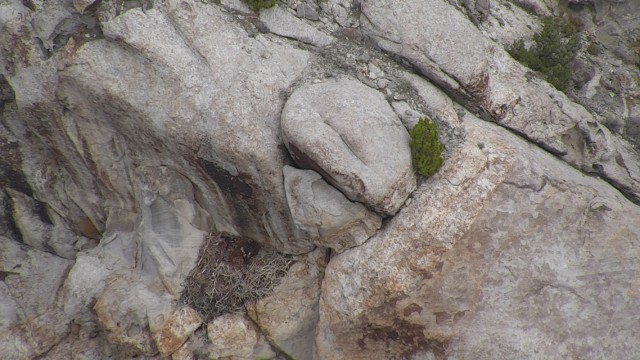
x: 426, y: 151
x: 260, y: 4
x: 552, y: 51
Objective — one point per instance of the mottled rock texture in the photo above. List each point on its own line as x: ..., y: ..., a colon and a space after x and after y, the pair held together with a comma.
x: 323, y: 214
x: 131, y: 131
x: 512, y: 267
x: 447, y: 48
x: 349, y: 134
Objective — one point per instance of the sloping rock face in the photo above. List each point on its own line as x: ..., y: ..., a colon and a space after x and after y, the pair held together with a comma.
x: 163, y: 53
x: 447, y: 48
x: 292, y: 328
x: 513, y: 267
x: 349, y: 134
x: 131, y: 131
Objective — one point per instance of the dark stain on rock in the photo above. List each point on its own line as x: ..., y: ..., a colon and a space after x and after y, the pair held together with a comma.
x: 40, y: 210
x: 439, y: 266
x: 459, y: 315
x: 10, y: 165
x: 305, y: 162
x: 412, y: 308
x: 10, y: 178
x: 17, y: 50
x: 7, y: 223
x: 402, y: 340
x: 285, y: 156
x: 351, y: 34
x: 29, y: 4
x: 234, y: 185
x: 620, y: 161
x: 4, y: 274
x: 442, y: 317
x: 6, y: 92
x: 246, y: 207
x: 88, y: 229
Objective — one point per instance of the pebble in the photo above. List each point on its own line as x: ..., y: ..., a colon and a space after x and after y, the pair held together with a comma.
x: 363, y: 57
x: 382, y: 83
x: 375, y: 72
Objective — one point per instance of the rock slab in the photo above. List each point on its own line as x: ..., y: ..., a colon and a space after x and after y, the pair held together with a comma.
x: 489, y: 261
x: 348, y: 133
x: 323, y: 214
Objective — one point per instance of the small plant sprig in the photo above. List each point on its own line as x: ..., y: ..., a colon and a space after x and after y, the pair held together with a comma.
x: 426, y: 150
x: 256, y: 5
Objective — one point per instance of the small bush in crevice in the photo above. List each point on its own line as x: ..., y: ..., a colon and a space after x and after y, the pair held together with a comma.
x: 426, y: 151
x: 551, y: 53
x: 230, y: 272
x: 260, y: 4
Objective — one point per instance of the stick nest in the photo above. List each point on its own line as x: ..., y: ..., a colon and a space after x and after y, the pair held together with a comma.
x: 231, y: 272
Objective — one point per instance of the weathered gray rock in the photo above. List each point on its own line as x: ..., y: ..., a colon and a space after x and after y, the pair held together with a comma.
x: 235, y: 336
x: 35, y: 230
x: 290, y: 315
x: 27, y: 273
x: 341, y: 10
x: 128, y: 133
x: 283, y: 23
x: 98, y: 156
x: 323, y: 215
x: 490, y: 249
x: 129, y: 312
x: 436, y: 103
x: 34, y: 337
x: 349, y: 134
x: 434, y: 36
x: 82, y: 5
x: 306, y: 11
x: 175, y: 330
x: 506, y: 23
x: 31, y: 320
x: 446, y: 47
x: 82, y: 343
x: 406, y: 113
x: 97, y: 144
x: 236, y: 5
x: 616, y: 26
x: 538, y: 7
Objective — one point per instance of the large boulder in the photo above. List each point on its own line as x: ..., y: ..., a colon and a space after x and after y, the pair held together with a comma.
x: 348, y: 133
x: 505, y: 253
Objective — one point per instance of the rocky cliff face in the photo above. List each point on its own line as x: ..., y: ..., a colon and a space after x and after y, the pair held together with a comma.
x: 131, y: 132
